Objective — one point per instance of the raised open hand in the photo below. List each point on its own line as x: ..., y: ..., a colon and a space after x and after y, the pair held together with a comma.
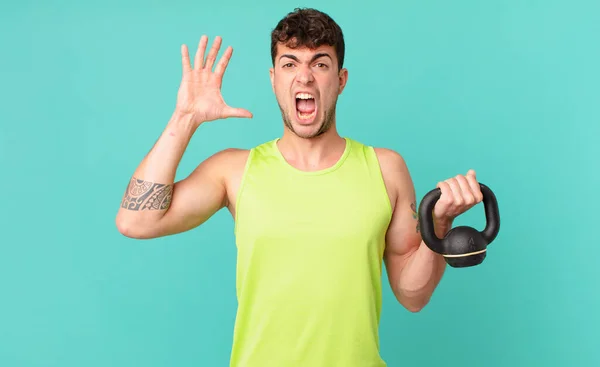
x: 199, y: 94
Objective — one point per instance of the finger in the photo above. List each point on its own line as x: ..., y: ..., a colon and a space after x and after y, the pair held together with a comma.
x: 185, y: 59
x: 223, y: 62
x: 457, y: 195
x: 198, y: 60
x: 446, y: 196
x: 475, y: 188
x: 212, y: 54
x: 444, y: 202
x: 465, y: 188
x: 237, y: 112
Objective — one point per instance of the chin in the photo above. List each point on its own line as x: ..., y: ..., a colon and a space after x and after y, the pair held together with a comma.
x: 307, y: 131
x: 306, y: 134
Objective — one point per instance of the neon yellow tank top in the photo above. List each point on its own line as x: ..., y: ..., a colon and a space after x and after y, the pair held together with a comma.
x: 309, y: 266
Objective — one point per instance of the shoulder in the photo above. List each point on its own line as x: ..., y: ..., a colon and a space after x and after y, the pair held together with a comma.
x: 387, y: 157
x: 219, y: 166
x: 392, y: 165
x: 231, y: 164
x: 233, y: 161
x: 396, y: 175
x: 231, y: 155
x: 229, y: 161
x: 392, y: 162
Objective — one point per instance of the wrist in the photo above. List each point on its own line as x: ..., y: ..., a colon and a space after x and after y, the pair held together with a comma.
x: 184, y: 121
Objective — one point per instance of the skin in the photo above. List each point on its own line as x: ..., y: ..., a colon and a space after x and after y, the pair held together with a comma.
x: 155, y: 206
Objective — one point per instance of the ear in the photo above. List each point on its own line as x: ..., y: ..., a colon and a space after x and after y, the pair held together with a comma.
x: 343, y: 78
x: 272, y: 76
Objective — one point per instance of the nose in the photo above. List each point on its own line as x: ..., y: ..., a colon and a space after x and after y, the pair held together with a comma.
x: 304, y: 75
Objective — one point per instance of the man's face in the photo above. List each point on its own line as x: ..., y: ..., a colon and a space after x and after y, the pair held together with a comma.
x: 307, y: 84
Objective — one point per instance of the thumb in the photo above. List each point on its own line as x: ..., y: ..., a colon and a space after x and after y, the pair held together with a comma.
x: 237, y: 112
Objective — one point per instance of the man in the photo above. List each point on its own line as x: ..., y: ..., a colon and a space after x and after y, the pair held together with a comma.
x: 315, y: 214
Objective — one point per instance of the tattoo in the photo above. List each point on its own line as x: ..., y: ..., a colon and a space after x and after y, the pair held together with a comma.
x: 145, y: 195
x: 413, y: 207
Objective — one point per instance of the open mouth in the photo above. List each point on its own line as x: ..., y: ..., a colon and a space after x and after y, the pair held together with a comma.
x: 306, y: 107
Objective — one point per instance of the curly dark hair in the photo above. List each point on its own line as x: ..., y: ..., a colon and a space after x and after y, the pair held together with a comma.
x: 310, y: 28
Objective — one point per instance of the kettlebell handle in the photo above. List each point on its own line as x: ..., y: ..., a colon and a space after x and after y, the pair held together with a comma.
x: 426, y: 217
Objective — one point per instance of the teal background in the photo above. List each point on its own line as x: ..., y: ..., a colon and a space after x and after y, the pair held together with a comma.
x: 509, y: 88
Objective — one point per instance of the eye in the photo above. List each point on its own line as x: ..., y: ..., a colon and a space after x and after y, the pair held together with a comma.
x: 321, y: 65
x: 289, y: 64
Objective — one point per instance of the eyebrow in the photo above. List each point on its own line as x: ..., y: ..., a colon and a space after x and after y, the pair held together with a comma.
x: 315, y: 57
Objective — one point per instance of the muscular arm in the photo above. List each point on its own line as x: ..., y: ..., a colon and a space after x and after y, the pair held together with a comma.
x: 414, y: 271
x: 154, y: 205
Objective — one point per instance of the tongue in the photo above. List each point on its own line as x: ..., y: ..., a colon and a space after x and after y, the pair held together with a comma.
x: 305, y: 105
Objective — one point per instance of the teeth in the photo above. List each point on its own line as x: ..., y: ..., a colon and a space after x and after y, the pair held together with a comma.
x: 304, y: 96
x: 306, y: 116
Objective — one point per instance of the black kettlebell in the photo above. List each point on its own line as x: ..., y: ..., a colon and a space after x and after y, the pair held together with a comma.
x: 462, y: 246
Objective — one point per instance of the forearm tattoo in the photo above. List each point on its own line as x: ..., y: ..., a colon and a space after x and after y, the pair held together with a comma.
x: 413, y: 207
x: 145, y: 195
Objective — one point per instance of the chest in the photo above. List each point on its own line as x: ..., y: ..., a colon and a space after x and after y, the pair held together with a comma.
x: 312, y: 209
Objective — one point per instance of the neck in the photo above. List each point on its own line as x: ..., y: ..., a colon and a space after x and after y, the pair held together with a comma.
x: 311, y: 154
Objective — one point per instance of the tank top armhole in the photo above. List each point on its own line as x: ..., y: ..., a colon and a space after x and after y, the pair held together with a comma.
x: 386, y: 197
x: 238, y: 199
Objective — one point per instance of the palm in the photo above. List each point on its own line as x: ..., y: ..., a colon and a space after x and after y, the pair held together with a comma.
x: 197, y: 98
x: 200, y: 90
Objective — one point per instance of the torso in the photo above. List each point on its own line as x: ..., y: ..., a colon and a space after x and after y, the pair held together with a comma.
x: 309, y: 246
